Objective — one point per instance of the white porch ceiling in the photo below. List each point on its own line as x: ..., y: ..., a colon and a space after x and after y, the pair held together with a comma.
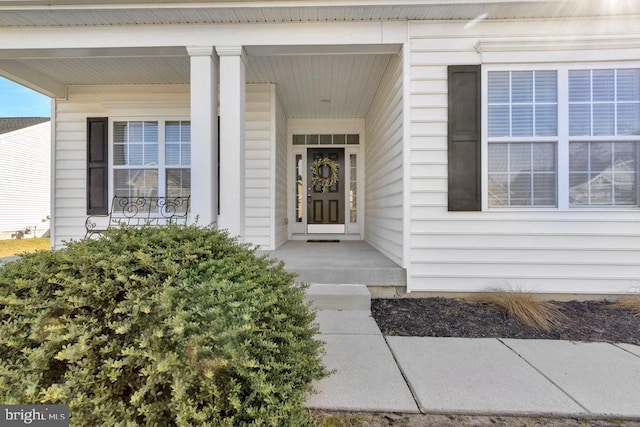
x: 309, y: 86
x: 26, y: 13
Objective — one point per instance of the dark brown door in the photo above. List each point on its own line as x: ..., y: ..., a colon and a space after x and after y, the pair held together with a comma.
x: 325, y: 206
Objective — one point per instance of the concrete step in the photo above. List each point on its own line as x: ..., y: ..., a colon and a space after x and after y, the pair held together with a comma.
x: 369, y: 276
x: 339, y: 297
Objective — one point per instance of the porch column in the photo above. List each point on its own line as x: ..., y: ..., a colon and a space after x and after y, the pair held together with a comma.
x: 232, y: 139
x: 204, y: 134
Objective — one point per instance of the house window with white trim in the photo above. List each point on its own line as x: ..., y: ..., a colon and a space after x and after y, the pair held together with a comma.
x: 571, y: 125
x: 522, y: 145
x: 604, y: 124
x: 151, y: 158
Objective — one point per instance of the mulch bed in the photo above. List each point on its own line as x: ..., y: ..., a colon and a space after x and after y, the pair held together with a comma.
x: 592, y: 321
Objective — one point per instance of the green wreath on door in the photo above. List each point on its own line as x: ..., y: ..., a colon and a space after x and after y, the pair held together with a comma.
x: 317, y: 178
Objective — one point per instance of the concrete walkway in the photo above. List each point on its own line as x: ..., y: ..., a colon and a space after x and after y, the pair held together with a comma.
x: 472, y: 376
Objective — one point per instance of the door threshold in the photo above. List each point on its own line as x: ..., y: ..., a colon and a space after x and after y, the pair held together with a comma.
x: 324, y: 236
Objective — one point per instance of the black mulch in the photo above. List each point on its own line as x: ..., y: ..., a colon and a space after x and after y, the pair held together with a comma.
x: 445, y: 317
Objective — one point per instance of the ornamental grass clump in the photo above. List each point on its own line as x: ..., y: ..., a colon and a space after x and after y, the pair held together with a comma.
x: 525, y: 307
x: 630, y: 302
x: 158, y: 326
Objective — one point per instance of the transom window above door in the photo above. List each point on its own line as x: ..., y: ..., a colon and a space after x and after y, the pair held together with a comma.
x: 326, y: 139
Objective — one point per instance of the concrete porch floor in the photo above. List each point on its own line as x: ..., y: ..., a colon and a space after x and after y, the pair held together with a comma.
x: 346, y: 262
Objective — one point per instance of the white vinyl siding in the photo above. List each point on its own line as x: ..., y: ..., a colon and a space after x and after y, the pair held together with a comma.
x: 280, y: 173
x: 557, y: 250
x: 259, y: 164
x: 384, y: 165
x: 25, y: 177
x: 71, y: 135
x: 168, y: 101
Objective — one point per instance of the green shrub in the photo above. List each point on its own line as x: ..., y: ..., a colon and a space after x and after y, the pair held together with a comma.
x: 158, y: 326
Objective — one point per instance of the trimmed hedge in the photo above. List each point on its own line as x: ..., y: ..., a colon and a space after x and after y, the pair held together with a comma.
x: 158, y: 326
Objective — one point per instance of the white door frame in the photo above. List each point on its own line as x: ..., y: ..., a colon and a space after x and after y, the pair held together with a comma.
x: 298, y: 230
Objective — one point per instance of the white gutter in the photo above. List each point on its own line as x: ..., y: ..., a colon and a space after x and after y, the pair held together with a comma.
x: 35, y: 5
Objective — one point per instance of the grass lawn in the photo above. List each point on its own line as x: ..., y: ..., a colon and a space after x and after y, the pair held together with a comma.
x: 18, y: 246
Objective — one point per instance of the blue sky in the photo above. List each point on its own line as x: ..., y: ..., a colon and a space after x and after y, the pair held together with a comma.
x: 18, y: 101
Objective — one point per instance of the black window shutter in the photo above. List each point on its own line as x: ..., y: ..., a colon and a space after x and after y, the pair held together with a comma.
x: 97, y: 166
x: 464, y: 138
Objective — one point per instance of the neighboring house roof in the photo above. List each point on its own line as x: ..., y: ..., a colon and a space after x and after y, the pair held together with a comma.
x: 9, y: 124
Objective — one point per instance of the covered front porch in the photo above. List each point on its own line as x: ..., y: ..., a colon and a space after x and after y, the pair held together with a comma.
x: 345, y: 262
x: 232, y: 117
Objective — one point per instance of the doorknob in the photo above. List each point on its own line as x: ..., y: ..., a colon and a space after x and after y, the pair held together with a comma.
x: 308, y: 198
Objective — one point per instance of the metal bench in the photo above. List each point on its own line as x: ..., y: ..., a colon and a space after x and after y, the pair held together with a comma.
x: 140, y: 211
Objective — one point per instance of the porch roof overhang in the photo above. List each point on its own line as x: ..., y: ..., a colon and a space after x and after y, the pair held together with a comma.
x: 37, y: 13
x: 344, y: 44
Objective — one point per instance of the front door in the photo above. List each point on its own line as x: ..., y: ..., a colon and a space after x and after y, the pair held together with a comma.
x: 325, y: 190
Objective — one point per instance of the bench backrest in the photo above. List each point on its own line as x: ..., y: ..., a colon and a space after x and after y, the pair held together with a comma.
x: 152, y: 211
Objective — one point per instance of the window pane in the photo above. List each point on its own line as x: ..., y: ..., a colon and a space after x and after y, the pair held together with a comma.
x: 579, y: 156
x: 135, y: 154
x: 172, y: 131
x: 312, y: 139
x: 624, y: 156
x: 339, y: 139
x: 298, y: 140
x: 625, y: 189
x: 518, y: 107
x: 185, y: 153
x: 629, y: 85
x: 522, y: 86
x: 325, y: 139
x: 603, y: 119
x: 498, y: 120
x: 512, y: 182
x: 607, y: 178
x: 119, y: 132
x: 579, y: 188
x: 135, y: 132
x: 151, y: 131
x: 186, y: 131
x: 121, y: 182
x: 520, y: 190
x: 600, y: 156
x: 522, y: 120
x: 579, y: 119
x: 119, y: 154
x: 353, y: 189
x: 546, y: 120
x: 135, y: 182
x: 172, y: 154
x: 614, y: 97
x: 544, y: 189
x: 601, y: 189
x: 178, y: 182
x: 580, y: 86
x: 498, y: 157
x: 603, y: 85
x: 150, y: 154
x: 629, y: 119
x: 498, y: 87
x: 498, y: 190
x: 299, y: 188
x: 546, y: 86
x: 544, y: 157
x: 520, y: 157
x: 353, y: 139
